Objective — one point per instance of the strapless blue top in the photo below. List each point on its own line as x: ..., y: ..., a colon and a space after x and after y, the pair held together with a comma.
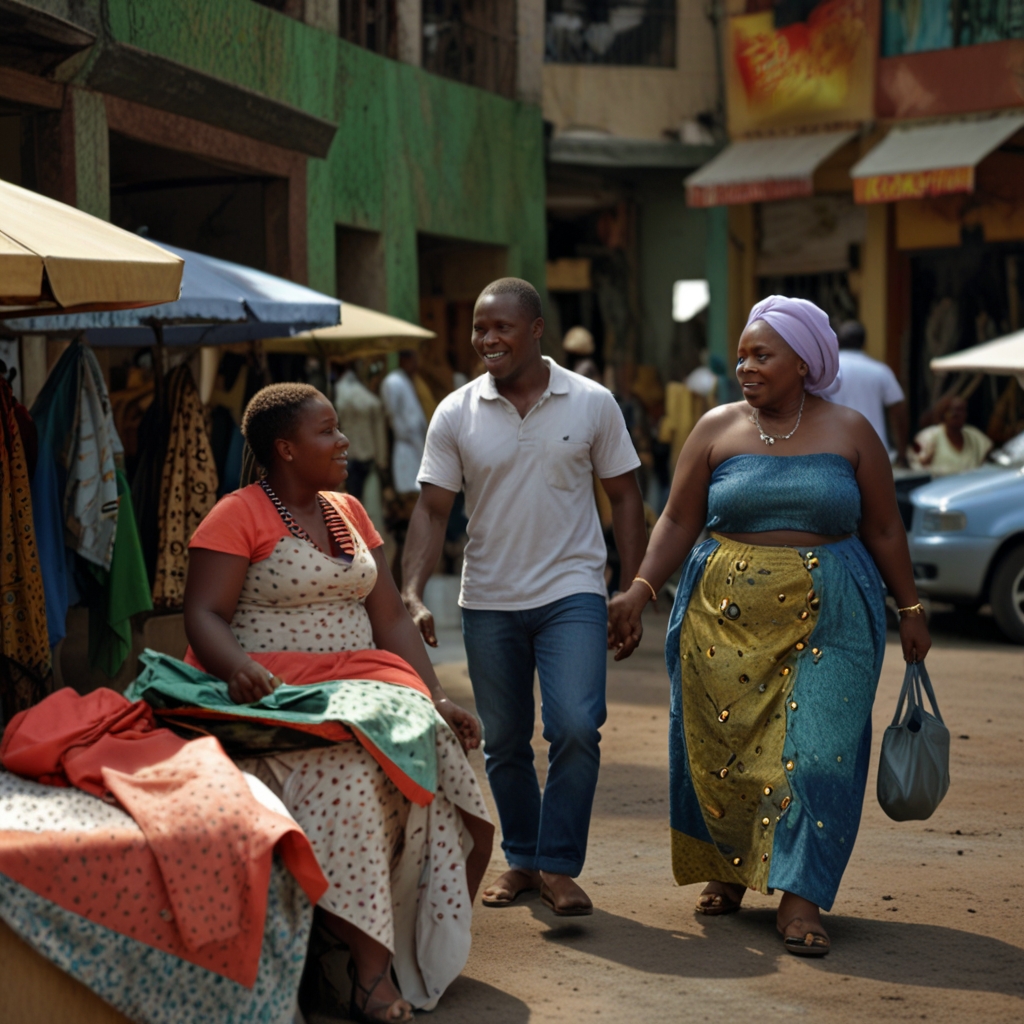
x: 809, y: 493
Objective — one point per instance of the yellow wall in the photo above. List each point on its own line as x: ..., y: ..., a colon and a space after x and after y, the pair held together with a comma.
x: 638, y: 102
x: 874, y: 293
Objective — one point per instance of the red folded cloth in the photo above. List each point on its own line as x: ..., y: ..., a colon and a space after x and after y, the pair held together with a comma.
x: 197, y: 886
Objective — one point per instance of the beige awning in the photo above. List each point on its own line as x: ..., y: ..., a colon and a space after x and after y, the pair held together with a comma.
x: 930, y: 160
x: 1003, y: 357
x: 756, y: 170
x: 361, y: 333
x: 55, y: 257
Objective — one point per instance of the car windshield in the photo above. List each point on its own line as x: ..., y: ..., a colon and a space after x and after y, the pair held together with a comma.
x: 1011, y: 454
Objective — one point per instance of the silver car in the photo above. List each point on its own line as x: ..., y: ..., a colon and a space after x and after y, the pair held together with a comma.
x: 967, y: 539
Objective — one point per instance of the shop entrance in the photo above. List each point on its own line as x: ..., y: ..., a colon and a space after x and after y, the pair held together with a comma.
x: 959, y: 298
x: 452, y: 274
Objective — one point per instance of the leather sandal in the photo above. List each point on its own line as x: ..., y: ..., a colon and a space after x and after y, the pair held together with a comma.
x: 715, y: 904
x: 572, y: 910
x: 810, y: 944
x: 498, y: 901
x: 380, y: 1011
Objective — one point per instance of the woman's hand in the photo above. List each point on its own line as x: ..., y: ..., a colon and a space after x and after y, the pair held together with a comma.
x: 461, y: 722
x: 624, y: 626
x: 250, y: 682
x: 914, y: 637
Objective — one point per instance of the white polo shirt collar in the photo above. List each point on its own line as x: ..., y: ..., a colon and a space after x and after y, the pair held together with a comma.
x: 558, y: 384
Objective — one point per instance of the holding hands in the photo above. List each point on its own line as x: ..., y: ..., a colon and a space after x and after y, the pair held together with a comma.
x: 624, y: 613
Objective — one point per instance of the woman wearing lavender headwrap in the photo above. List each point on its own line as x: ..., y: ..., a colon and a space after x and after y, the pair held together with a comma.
x: 778, y: 630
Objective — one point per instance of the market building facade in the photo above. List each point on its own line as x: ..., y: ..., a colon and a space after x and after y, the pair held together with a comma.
x: 373, y: 150
x: 874, y: 168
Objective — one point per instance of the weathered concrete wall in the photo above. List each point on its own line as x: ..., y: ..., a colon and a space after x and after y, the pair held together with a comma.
x: 413, y: 152
x: 638, y: 102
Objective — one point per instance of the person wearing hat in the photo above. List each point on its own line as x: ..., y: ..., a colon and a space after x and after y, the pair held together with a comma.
x: 777, y: 634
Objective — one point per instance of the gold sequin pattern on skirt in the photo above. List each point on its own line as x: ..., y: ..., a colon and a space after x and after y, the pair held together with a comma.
x: 735, y: 704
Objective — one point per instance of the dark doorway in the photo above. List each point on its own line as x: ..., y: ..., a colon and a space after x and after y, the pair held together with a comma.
x: 215, y: 209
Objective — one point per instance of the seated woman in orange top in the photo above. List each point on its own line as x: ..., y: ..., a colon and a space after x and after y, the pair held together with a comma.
x: 282, y: 573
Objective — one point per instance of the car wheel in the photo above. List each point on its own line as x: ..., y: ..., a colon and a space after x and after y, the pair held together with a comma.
x: 1008, y: 594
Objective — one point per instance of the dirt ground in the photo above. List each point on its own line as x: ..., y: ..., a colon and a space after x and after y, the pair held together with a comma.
x: 928, y: 924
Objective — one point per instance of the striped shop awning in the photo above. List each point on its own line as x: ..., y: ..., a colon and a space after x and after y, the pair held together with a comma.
x: 755, y: 170
x: 936, y: 159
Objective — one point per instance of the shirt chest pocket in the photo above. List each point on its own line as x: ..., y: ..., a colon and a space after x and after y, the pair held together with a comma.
x: 567, y: 465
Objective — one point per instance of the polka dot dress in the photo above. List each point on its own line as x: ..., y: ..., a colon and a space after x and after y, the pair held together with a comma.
x: 396, y: 871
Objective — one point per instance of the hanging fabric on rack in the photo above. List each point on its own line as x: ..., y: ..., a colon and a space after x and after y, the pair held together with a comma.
x: 25, y: 668
x: 120, y: 593
x: 88, y: 551
x: 188, y: 487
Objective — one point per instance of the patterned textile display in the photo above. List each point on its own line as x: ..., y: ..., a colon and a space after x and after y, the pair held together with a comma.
x: 121, y: 593
x: 25, y: 668
x: 774, y: 655
x: 188, y: 487
x: 371, y: 695
x: 146, y: 984
x: 90, y: 494
x: 191, y: 877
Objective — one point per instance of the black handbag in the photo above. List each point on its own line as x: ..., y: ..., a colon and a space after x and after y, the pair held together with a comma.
x: 913, y: 771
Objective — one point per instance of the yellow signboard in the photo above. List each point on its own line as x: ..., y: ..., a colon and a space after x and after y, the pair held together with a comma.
x: 889, y: 188
x: 809, y: 73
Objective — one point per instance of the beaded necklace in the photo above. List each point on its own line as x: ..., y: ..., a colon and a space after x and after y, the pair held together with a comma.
x: 336, y: 526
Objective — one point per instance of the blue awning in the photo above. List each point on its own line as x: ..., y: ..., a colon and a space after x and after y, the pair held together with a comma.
x: 220, y: 303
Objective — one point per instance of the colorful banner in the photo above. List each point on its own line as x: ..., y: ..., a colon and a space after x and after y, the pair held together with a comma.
x: 889, y: 188
x: 820, y: 71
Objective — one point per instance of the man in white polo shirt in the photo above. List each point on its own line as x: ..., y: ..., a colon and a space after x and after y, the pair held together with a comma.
x: 524, y: 440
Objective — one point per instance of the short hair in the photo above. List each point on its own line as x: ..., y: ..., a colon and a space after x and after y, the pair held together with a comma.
x: 273, y: 413
x: 851, y: 334
x: 527, y: 296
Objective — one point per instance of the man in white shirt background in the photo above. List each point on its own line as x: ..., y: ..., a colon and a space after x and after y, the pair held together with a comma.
x: 408, y: 431
x: 361, y: 420
x: 870, y: 387
x: 524, y: 440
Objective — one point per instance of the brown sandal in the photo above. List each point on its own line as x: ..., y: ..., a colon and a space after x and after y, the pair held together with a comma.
x: 718, y: 903
x: 810, y: 944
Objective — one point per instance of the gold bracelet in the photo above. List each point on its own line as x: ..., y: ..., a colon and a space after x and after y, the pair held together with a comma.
x: 640, y: 579
x: 913, y: 609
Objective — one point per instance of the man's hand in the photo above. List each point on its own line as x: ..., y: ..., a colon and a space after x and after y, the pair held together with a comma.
x: 421, y: 615
x: 461, y: 722
x: 625, y: 630
x: 251, y: 682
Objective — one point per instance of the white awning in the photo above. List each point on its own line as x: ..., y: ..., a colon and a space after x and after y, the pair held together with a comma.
x: 1002, y: 357
x: 930, y: 160
x: 755, y: 170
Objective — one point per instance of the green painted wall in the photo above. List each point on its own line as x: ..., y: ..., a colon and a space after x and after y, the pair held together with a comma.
x: 413, y: 152
x: 673, y: 240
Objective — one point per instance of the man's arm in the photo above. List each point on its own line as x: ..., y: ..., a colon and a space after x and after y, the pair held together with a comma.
x: 899, y: 424
x: 627, y: 522
x: 423, y: 545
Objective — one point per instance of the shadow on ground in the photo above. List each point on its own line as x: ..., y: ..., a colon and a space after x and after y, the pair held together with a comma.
x: 747, y: 946
x: 470, y: 1000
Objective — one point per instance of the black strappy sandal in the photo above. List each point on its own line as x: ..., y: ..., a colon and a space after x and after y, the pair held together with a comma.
x: 359, y: 1013
x: 810, y: 944
x: 718, y: 903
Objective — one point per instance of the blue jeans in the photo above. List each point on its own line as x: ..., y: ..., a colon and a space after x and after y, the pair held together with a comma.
x: 566, y: 642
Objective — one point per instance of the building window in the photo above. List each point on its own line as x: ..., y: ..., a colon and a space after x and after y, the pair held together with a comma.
x: 372, y: 24
x: 911, y: 27
x: 632, y: 32
x: 472, y: 41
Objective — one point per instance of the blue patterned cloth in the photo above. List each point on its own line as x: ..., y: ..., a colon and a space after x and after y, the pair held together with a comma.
x: 831, y: 679
x: 809, y: 493
x: 150, y: 986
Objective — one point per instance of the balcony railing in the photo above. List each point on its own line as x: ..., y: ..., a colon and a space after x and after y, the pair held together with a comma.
x: 471, y: 41
x: 635, y: 32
